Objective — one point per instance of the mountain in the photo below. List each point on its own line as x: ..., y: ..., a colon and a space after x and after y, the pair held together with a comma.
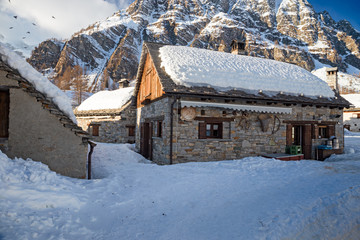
x: 284, y: 30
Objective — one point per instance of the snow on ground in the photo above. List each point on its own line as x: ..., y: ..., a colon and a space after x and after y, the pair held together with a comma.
x: 191, y: 67
x: 131, y: 198
x: 41, y: 83
x: 107, y: 99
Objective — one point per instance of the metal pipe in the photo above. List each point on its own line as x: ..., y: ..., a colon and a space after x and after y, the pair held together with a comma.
x: 172, y: 128
x: 92, y: 146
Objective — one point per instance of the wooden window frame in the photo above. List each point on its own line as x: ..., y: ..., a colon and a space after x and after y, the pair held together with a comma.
x: 157, y: 128
x: 323, y: 131
x: 207, y: 130
x: 94, y: 129
x: 131, y: 131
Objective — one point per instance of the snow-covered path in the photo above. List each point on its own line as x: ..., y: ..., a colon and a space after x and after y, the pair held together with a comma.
x: 251, y: 198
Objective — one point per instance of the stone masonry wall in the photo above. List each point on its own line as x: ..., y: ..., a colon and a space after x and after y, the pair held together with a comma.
x: 112, y: 129
x: 35, y: 133
x: 242, y: 137
x: 156, y: 110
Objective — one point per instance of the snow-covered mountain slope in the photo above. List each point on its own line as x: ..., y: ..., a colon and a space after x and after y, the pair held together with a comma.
x: 347, y: 83
x: 284, y: 30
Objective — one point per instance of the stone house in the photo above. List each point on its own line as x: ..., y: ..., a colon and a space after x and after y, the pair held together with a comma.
x: 33, y: 125
x: 200, y: 105
x: 352, y: 115
x: 109, y: 116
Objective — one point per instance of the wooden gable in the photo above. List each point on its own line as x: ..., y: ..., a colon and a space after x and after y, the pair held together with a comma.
x: 150, y: 86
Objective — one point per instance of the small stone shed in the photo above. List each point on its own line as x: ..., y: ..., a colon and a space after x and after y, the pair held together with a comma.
x: 32, y: 125
x: 200, y: 105
x: 109, y: 116
x: 352, y: 115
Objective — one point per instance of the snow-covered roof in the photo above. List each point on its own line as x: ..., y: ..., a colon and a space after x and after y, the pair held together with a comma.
x: 107, y: 100
x: 354, y: 99
x: 223, y: 71
x: 40, y: 83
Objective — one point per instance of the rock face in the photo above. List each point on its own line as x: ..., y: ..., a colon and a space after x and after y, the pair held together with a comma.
x: 284, y: 30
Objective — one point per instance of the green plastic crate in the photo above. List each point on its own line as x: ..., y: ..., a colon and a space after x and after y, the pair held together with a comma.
x: 293, y: 149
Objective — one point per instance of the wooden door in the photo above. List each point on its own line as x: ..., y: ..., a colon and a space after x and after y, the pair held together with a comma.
x: 307, y: 141
x: 146, y: 140
x: 4, y: 114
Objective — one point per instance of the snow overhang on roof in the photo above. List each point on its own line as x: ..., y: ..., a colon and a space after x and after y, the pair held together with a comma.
x: 251, y: 108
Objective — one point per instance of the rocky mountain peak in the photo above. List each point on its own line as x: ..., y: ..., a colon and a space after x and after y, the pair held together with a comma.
x: 284, y: 30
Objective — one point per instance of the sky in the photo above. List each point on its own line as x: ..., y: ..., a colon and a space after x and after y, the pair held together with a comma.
x: 25, y: 23
x: 344, y: 9
x: 38, y: 20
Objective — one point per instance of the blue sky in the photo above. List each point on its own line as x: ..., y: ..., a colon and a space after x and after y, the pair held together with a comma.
x: 340, y: 9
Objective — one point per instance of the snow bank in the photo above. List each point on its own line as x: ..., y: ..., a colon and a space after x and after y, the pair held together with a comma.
x: 107, y: 99
x: 250, y: 198
x: 41, y: 83
x: 223, y: 71
x: 354, y: 99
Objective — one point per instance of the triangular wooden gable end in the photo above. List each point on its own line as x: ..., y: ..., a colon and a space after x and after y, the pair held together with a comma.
x: 150, y: 85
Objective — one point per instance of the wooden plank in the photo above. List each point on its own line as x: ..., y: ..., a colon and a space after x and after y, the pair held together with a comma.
x: 150, y: 86
x: 214, y: 119
x: 288, y: 134
x: 307, y: 141
x: 4, y: 113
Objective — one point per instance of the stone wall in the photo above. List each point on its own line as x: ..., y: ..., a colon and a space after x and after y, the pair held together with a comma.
x: 112, y: 129
x: 242, y: 136
x: 350, y: 118
x: 35, y: 133
x: 156, y: 110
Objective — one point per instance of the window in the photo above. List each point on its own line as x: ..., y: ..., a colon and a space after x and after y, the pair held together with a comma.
x: 94, y: 129
x: 210, y: 130
x: 358, y: 115
x: 4, y: 114
x: 323, y: 132
x: 131, y: 131
x: 158, y: 129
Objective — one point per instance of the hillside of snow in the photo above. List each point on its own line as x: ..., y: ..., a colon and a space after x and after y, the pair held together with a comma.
x: 131, y: 198
x: 347, y: 82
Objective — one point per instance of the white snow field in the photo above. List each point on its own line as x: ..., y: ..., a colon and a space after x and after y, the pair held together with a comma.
x: 131, y: 198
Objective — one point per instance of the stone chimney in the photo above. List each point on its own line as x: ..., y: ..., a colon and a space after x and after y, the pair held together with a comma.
x: 332, y: 78
x: 237, y: 47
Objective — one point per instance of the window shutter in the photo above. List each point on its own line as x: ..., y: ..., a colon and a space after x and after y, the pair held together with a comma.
x: 4, y: 114
x: 220, y: 130
x: 331, y: 130
x: 288, y: 134
x: 202, y: 130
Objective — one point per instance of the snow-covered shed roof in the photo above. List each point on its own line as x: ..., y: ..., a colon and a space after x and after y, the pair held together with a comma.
x: 192, y: 71
x: 354, y: 99
x: 38, y: 81
x: 107, y: 100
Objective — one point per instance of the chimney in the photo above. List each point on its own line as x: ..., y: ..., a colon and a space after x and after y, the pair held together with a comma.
x: 332, y: 78
x: 237, y: 47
